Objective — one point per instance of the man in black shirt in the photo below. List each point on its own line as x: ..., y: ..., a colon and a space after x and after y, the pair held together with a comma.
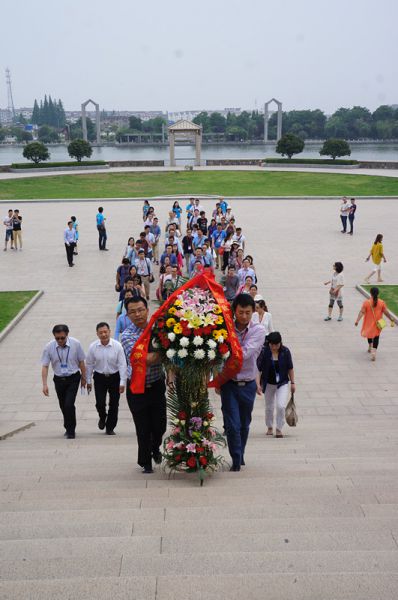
x: 17, y: 229
x: 188, y: 248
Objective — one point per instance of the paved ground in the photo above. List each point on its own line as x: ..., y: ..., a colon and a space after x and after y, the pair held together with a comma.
x: 312, y: 516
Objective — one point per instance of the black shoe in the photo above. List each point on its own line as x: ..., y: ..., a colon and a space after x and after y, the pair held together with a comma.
x: 157, y: 457
x: 110, y: 432
x: 147, y: 470
x: 105, y: 249
x: 75, y: 254
x: 70, y: 435
x: 71, y: 265
x: 235, y: 468
x: 242, y: 462
x: 102, y: 423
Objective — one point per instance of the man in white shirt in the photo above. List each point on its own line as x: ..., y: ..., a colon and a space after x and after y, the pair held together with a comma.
x: 344, y: 212
x: 240, y: 238
x: 144, y: 269
x: 106, y: 359
x: 70, y: 242
x: 66, y: 356
x: 8, y: 222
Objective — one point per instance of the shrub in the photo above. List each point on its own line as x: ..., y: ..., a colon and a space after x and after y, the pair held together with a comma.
x: 79, y: 148
x: 335, y: 147
x: 290, y: 144
x: 36, y: 151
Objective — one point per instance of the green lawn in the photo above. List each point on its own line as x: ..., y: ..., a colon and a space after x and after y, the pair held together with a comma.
x: 11, y: 303
x: 388, y: 293
x: 227, y: 183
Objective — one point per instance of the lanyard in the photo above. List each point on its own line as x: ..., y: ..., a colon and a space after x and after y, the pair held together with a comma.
x: 67, y: 356
x: 277, y: 375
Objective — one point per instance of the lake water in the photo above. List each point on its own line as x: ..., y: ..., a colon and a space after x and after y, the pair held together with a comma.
x: 185, y: 154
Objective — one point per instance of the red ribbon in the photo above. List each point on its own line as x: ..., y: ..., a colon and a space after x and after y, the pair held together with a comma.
x: 139, y: 352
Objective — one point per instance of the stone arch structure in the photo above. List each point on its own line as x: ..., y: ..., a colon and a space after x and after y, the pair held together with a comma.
x: 97, y: 120
x: 185, y: 129
x: 279, y: 119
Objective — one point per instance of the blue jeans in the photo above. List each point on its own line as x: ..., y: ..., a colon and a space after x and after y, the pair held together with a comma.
x: 237, y: 405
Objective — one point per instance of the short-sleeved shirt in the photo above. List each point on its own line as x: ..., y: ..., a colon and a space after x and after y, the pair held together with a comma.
x: 16, y: 223
x: 100, y: 219
x: 377, y: 253
x: 218, y: 238
x: 337, y: 279
x: 70, y: 355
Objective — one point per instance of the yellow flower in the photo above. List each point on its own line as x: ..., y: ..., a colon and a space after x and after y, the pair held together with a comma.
x: 223, y: 332
x: 196, y: 322
x: 217, y: 310
x: 178, y: 302
x: 177, y: 328
x: 216, y: 334
x: 219, y: 321
x: 170, y: 322
x: 172, y: 310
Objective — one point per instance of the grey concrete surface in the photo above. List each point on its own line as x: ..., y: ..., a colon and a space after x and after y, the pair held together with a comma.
x: 313, y: 515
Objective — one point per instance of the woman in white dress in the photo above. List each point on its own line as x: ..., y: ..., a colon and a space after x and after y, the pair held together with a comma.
x: 262, y: 316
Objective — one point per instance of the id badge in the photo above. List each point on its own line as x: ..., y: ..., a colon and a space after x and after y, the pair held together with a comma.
x: 277, y: 377
x: 64, y: 368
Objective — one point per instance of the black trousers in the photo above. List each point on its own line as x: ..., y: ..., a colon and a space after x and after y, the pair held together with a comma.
x: 66, y: 389
x: 102, y: 386
x: 351, y: 220
x: 149, y: 415
x: 225, y: 260
x: 374, y: 342
x: 69, y: 252
x: 102, y: 237
x: 344, y: 222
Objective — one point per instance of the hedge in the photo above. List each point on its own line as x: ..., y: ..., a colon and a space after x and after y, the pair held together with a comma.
x: 49, y: 165
x: 311, y: 161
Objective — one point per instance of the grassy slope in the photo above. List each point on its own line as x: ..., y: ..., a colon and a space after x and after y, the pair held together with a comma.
x: 228, y: 183
x: 10, y: 305
x: 388, y: 293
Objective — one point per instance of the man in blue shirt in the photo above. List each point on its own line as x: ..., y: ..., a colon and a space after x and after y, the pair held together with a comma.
x: 102, y: 237
x: 156, y: 231
x: 223, y: 205
x: 218, y: 236
x: 70, y: 243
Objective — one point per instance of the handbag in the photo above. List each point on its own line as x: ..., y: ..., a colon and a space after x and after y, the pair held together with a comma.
x: 291, y: 412
x: 381, y: 323
x: 151, y: 278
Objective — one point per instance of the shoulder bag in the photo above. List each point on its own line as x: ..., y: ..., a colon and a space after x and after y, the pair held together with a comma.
x: 380, y: 323
x: 291, y: 412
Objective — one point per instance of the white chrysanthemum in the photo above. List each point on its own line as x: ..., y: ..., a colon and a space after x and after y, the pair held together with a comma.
x: 182, y: 353
x: 155, y: 344
x: 170, y: 353
x: 184, y: 342
x: 211, y: 354
x: 199, y: 354
x: 197, y: 340
x: 226, y: 355
x: 220, y: 340
x: 211, y: 343
x: 171, y: 336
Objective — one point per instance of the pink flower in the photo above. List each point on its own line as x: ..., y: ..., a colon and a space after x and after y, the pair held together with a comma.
x: 170, y: 445
x: 191, y: 448
x: 176, y: 430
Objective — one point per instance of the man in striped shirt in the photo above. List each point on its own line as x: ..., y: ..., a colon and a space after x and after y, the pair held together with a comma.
x: 148, y: 409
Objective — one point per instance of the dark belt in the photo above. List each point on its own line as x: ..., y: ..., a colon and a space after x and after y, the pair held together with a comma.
x: 106, y: 374
x: 241, y: 383
x: 148, y: 385
x: 64, y: 378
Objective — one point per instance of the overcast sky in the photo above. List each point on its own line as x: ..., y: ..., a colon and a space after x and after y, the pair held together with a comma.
x: 175, y: 54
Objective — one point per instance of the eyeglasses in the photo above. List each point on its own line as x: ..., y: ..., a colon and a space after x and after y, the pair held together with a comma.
x: 60, y: 338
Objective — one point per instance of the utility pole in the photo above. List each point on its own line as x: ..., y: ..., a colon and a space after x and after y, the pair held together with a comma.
x: 10, y: 100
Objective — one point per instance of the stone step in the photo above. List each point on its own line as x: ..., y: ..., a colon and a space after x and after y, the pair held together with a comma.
x: 291, y: 586
x: 194, y: 561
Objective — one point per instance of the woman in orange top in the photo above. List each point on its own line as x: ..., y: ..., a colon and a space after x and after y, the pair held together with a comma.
x: 372, y: 310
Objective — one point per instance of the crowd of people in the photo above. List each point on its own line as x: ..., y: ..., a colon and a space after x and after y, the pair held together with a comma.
x: 154, y: 264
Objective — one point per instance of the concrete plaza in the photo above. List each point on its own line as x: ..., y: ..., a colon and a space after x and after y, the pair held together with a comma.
x: 312, y: 516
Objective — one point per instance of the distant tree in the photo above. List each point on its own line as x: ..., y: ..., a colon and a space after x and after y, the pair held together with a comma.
x: 120, y: 132
x: 36, y: 151
x: 35, y: 113
x: 236, y: 133
x: 76, y: 130
x: 218, y: 123
x: 153, y: 125
x: 202, y: 119
x: 79, y: 148
x: 26, y: 136
x: 290, y: 144
x: 2, y: 133
x: 135, y: 123
x: 47, y: 134
x: 334, y: 148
